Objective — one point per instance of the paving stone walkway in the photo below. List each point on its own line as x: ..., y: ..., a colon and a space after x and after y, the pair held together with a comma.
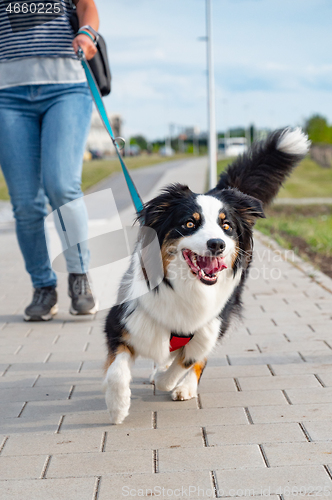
x: 261, y: 426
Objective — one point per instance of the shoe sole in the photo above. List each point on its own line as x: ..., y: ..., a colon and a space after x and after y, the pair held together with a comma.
x: 46, y: 317
x: 87, y: 313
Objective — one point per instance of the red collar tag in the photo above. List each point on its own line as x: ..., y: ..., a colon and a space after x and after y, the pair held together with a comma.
x: 178, y: 341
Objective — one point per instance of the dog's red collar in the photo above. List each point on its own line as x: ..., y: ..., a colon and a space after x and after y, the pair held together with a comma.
x: 177, y: 341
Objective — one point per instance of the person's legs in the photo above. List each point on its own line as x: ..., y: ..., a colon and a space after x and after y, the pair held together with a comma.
x: 20, y: 162
x: 65, y: 127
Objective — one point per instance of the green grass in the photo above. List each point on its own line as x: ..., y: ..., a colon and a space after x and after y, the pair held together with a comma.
x: 313, y: 224
x: 96, y: 170
x: 3, y: 188
x: 222, y: 164
x: 308, y: 180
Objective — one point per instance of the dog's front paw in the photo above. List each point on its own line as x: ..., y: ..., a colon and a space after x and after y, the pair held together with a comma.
x: 162, y: 382
x: 183, y: 392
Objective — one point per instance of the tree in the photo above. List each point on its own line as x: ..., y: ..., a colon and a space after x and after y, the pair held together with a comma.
x: 318, y: 129
x: 140, y: 141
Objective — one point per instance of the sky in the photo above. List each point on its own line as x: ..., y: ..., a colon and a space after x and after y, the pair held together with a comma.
x: 272, y: 62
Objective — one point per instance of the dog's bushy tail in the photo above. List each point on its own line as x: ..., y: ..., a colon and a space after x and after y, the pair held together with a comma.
x: 261, y: 171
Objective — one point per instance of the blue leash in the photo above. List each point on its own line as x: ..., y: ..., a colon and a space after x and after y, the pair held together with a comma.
x: 138, y: 204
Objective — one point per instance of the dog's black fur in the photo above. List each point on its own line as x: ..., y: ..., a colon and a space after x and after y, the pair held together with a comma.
x: 260, y: 172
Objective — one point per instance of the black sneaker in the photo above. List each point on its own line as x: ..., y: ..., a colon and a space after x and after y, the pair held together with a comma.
x: 43, y: 306
x: 82, y: 301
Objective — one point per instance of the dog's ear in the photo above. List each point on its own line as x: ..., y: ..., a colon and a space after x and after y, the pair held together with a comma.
x: 160, y: 208
x: 247, y: 207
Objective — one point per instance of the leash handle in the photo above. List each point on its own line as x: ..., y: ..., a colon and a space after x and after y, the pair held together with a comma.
x: 136, y: 199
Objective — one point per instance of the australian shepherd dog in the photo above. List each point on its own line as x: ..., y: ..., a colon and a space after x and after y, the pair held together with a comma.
x: 206, y: 245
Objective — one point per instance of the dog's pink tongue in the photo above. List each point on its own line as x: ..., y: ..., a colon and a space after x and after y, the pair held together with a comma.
x: 211, y: 265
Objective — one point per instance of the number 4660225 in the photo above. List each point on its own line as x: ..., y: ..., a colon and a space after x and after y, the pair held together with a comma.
x: 34, y: 8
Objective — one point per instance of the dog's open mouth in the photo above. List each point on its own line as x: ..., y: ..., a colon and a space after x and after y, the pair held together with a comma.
x: 205, y: 268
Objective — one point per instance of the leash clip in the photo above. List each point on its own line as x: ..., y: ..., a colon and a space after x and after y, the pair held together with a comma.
x: 120, y: 142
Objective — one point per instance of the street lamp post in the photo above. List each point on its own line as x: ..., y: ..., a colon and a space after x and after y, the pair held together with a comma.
x: 212, y: 139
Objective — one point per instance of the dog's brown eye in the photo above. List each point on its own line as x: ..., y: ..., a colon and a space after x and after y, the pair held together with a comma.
x: 190, y: 224
x: 226, y: 226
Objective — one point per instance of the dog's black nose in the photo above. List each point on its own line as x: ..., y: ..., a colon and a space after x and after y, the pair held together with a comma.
x: 216, y: 246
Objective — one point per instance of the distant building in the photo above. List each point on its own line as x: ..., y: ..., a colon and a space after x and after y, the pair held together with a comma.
x: 191, y: 132
x: 98, y: 139
x: 232, y: 146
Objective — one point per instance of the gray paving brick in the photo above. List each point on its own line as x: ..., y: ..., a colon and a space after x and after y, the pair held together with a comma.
x: 267, y: 331
x: 160, y: 402
x: 21, y: 467
x: 319, y: 431
x: 10, y: 410
x: 267, y: 481
x: 42, y: 409
x: 212, y: 416
x: 217, y: 385
x: 239, y: 456
x: 100, y: 420
x: 278, y: 382
x: 43, y: 367
x: 29, y: 425
x: 9, y: 349
x: 316, y: 395
x: 119, y: 438
x: 296, y: 369
x: 16, y: 381
x: 163, y: 485
x: 322, y: 356
x: 305, y: 347
x: 90, y: 390
x: 264, y: 359
x: 237, y: 347
x: 39, y: 357
x: 291, y: 413
x: 308, y: 336
x: 326, y: 378
x: 52, y: 489
x: 34, y: 393
x: 219, y: 435
x: 245, y: 398
x: 68, y: 378
x: 236, y: 371
x: 3, y: 368
x: 88, y: 440
x: 218, y: 361
x: 282, y: 454
x: 99, y: 464
x: 86, y: 356
x: 93, y: 365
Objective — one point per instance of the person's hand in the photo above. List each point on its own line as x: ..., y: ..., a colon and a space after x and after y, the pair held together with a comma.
x: 86, y: 45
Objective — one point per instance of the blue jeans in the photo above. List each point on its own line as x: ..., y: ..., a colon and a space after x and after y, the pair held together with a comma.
x: 43, y: 131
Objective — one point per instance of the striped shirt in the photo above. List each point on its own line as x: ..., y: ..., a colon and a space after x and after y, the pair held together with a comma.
x: 32, y: 34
